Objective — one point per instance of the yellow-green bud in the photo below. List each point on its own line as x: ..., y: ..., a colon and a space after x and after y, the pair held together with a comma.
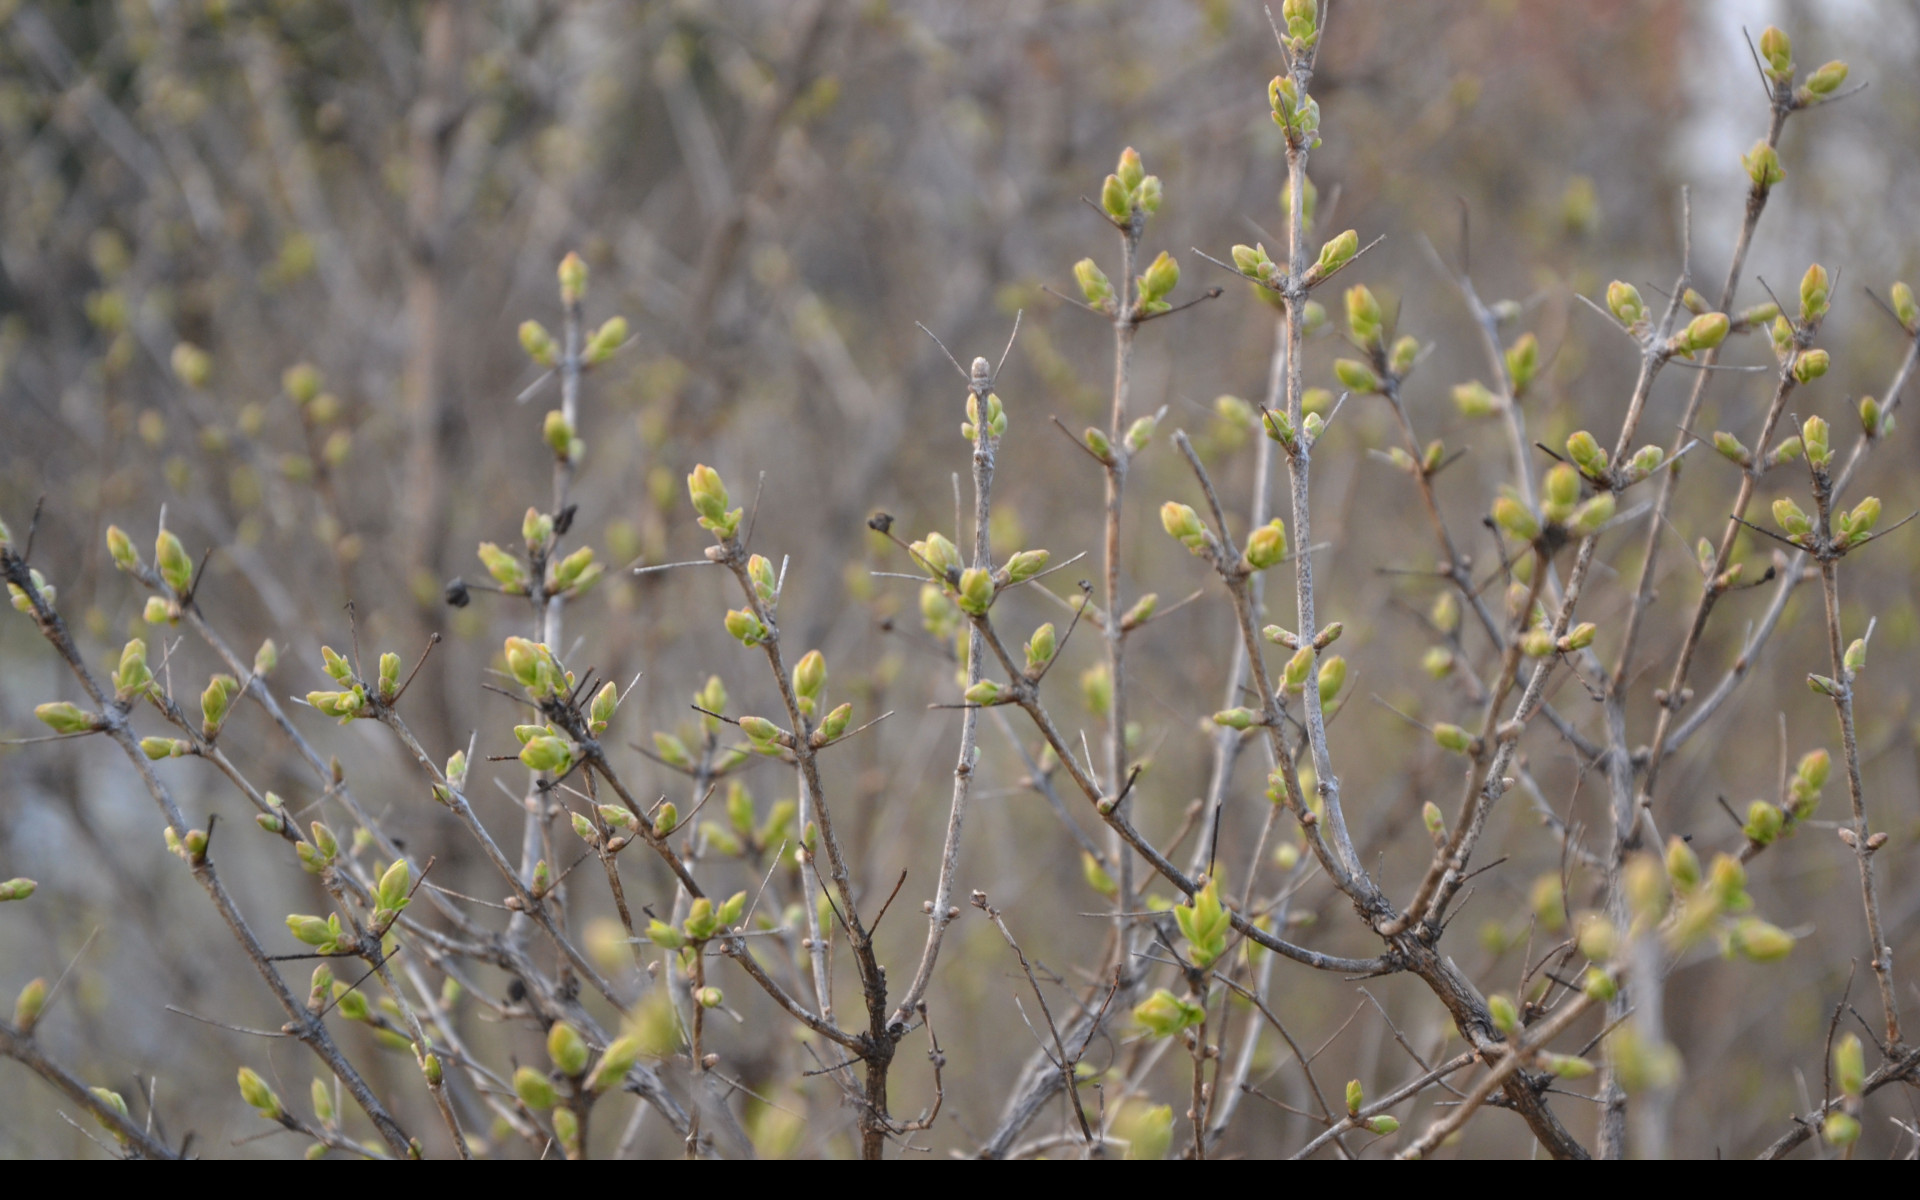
x: 1040, y: 647
x: 710, y: 997
x: 976, y: 590
x: 1791, y: 517
x: 255, y: 1092
x: 1586, y: 453
x: 557, y: 431
x: 1293, y: 677
x: 835, y: 723
x: 1858, y: 523
x: 535, y: 1090
x: 567, y: 1049
x: 984, y: 692
x: 1182, y: 523
x: 1506, y: 1018
x: 64, y: 716
x: 1096, y: 876
x: 171, y: 558
x: 1763, y: 166
x: 549, y: 754
x: 120, y: 546
x: 1811, y: 365
x: 1826, y: 79
x: 810, y: 675
x: 1026, y: 564
x: 1161, y: 277
x: 1355, y: 375
x: 1475, y: 399
x: 709, y: 495
x: 1849, y: 1065
x: 1400, y: 360
x: 1578, y: 638
x: 1856, y: 656
x: 1623, y: 300
x: 1337, y: 253
x: 1093, y: 282
x: 1164, y: 1014
x: 1356, y: 1097
x: 1761, y: 941
x: 746, y: 627
x: 1512, y: 516
x: 1523, y: 361
x: 1814, y: 286
x: 1363, y: 315
x: 615, y: 1062
x: 1236, y: 718
x: 1704, y: 332
x: 1730, y: 447
x: 1333, y: 677
x: 301, y: 383
x: 1776, y: 50
x: 1452, y: 738
x: 1904, y: 306
x: 611, y: 335
x: 17, y: 889
x: 573, y: 279
x: 1266, y: 546
x: 1382, y: 1125
x: 1840, y: 1129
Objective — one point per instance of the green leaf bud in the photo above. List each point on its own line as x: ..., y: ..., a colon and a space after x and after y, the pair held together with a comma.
x: 1791, y: 517
x: 810, y: 675
x: 1512, y: 516
x: 1096, y: 690
x: 17, y: 889
x: 1161, y: 277
x: 1730, y: 447
x: 1337, y: 253
x: 567, y: 1049
x: 547, y: 754
x: 1182, y: 523
x: 1856, y: 656
x: 1506, y: 1018
x: 1026, y: 564
x: 1436, y: 823
x: 709, y: 496
x: 1811, y: 365
x: 1814, y: 288
x: 171, y: 559
x: 746, y: 627
x: 1761, y: 941
x: 615, y: 1061
x: 1776, y: 50
x: 1382, y: 1125
x: 301, y: 382
x: 1523, y: 362
x: 1764, y: 822
x: 506, y: 570
x: 1355, y: 375
x: 1437, y: 662
x: 1904, y: 306
x: 1363, y: 315
x: 1356, y: 1097
x: 1115, y: 200
x: 1333, y: 677
x: 1840, y: 1129
x: 1400, y: 359
x: 1849, y: 1065
x: 535, y: 1090
x: 1266, y: 546
x: 1040, y: 647
x: 120, y: 547
x: 1567, y: 1066
x: 835, y: 723
x: 1164, y: 1014
x: 984, y: 692
x: 1237, y: 718
x: 611, y: 335
x: 255, y: 1092
x: 1763, y: 167
x: 573, y: 279
x: 1623, y: 300
x: 1452, y: 738
x: 1704, y: 332
x: 1577, y: 638
x: 64, y: 716
x: 976, y: 590
x: 1293, y: 677
x: 1475, y: 399
x: 1093, y: 282
x: 710, y: 997
x: 1586, y: 453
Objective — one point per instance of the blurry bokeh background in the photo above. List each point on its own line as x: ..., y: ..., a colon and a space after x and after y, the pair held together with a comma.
x: 773, y: 193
